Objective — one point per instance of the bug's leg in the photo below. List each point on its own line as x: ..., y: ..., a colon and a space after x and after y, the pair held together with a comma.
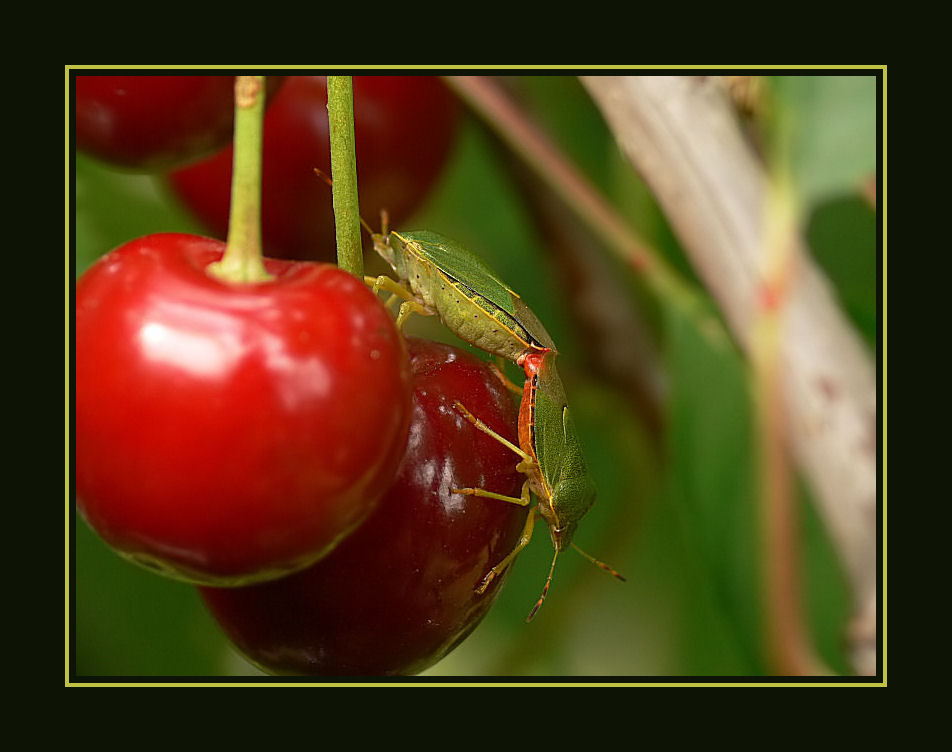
x: 522, y: 501
x: 497, y: 570
x: 409, y: 308
x: 545, y: 589
x: 383, y: 282
x: 487, y: 430
x: 410, y: 305
x: 601, y: 564
x: 497, y: 368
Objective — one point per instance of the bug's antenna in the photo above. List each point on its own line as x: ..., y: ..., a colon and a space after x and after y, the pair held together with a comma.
x: 545, y: 590
x: 326, y: 178
x: 601, y: 564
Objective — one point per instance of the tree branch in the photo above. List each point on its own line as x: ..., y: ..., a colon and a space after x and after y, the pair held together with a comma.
x: 681, y: 134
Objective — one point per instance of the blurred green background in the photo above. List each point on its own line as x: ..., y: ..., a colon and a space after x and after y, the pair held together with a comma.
x: 666, y: 427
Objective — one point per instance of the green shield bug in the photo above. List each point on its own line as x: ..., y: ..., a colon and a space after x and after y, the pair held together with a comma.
x: 552, y: 462
x: 438, y: 276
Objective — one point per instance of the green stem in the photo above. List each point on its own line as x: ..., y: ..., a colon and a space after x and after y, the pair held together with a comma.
x: 242, y: 261
x: 340, y: 111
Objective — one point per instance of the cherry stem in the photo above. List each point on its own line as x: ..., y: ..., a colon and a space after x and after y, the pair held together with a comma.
x: 242, y: 261
x: 340, y: 112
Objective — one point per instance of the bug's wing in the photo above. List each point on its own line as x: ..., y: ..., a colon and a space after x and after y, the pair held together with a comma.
x: 462, y: 265
x: 551, y: 440
x: 549, y: 437
x: 530, y: 322
x: 576, y: 489
x: 560, y: 457
x: 465, y: 267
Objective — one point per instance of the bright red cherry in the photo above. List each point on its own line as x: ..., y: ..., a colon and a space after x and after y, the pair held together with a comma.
x: 404, y: 128
x: 400, y: 592
x: 231, y: 433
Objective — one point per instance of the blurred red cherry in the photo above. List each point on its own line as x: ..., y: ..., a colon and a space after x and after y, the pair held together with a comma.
x: 404, y: 130
x: 153, y: 123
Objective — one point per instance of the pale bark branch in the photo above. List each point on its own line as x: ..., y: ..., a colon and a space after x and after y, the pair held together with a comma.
x: 682, y: 136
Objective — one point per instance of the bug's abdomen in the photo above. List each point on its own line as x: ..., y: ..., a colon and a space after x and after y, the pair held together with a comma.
x: 472, y: 317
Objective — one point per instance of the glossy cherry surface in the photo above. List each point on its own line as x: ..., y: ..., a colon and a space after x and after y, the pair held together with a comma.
x: 404, y: 127
x: 230, y: 433
x: 153, y: 122
x: 399, y: 593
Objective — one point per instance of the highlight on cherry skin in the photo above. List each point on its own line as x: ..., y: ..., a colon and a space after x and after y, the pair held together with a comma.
x: 402, y: 591
x: 231, y: 433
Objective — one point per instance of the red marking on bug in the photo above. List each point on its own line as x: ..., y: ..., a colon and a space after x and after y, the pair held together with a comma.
x: 531, y: 361
x: 526, y: 424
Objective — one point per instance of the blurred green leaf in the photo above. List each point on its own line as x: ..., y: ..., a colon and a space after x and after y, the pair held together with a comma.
x: 114, y: 207
x: 712, y: 483
x: 824, y: 130
x: 826, y: 589
x: 842, y: 238
x: 131, y: 622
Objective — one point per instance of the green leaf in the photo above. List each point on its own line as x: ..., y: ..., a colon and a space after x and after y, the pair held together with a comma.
x: 130, y: 622
x: 823, y: 131
x: 712, y: 483
x: 825, y: 587
x: 842, y: 237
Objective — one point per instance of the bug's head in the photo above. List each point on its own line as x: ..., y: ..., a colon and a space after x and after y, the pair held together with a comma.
x: 562, y: 536
x: 562, y: 529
